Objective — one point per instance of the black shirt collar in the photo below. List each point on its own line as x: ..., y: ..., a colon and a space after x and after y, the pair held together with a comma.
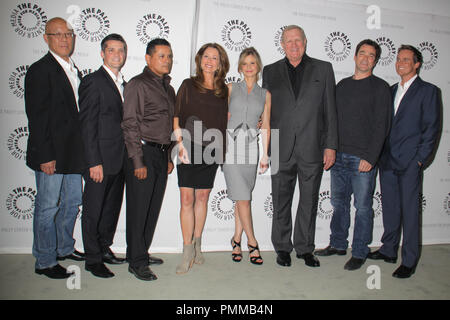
x: 302, y: 63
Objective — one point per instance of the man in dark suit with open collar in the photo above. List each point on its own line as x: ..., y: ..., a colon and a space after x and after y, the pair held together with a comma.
x: 304, y: 112
x: 55, y: 150
x: 413, y: 136
x: 101, y: 113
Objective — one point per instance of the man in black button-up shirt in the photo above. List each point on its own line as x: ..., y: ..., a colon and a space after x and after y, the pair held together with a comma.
x: 147, y: 127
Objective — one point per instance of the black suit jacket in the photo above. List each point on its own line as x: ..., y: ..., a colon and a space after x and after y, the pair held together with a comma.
x: 54, y: 128
x: 101, y: 113
x: 308, y: 123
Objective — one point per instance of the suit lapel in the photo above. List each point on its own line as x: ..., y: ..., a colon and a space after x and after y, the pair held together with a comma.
x: 66, y: 87
x: 405, y: 100
x: 110, y: 82
x: 308, y: 74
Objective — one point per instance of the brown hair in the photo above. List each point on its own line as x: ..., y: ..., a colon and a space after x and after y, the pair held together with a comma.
x: 250, y: 52
x: 417, y: 55
x: 220, y: 88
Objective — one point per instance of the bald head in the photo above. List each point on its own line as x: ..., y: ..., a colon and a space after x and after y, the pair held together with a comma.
x: 59, y: 37
x: 56, y: 20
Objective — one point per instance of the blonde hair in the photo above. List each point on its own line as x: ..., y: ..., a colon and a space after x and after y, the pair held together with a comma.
x: 250, y: 52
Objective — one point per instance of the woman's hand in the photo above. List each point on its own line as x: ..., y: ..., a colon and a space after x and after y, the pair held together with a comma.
x: 263, y: 164
x: 183, y: 154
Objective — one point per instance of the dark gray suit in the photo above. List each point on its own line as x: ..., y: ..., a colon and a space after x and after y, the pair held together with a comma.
x: 307, y: 125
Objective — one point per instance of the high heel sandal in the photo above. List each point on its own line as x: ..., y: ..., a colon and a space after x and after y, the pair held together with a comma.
x: 236, y: 257
x: 254, y: 260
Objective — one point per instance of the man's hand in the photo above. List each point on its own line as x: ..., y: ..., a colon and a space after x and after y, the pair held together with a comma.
x: 364, y: 166
x: 329, y: 157
x: 169, y: 167
x: 96, y: 173
x: 141, y: 173
x: 48, y: 167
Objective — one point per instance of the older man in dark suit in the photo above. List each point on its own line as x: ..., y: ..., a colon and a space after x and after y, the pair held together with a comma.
x: 101, y: 112
x: 413, y: 136
x: 304, y: 112
x: 55, y: 149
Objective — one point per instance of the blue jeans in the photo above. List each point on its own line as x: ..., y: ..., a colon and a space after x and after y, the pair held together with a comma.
x: 55, y: 212
x: 345, y: 181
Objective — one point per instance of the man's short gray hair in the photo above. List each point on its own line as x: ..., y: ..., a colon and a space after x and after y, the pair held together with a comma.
x: 292, y: 27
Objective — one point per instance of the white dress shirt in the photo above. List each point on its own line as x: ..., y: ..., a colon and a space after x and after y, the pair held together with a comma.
x: 71, y: 73
x: 117, y: 80
x: 401, y: 91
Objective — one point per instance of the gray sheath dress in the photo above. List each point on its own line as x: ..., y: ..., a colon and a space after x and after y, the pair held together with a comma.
x: 241, y: 159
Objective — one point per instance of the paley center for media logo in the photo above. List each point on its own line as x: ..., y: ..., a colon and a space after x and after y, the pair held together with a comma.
x: 92, y: 24
x: 17, y: 142
x: 221, y: 206
x: 152, y: 26
x: 28, y: 20
x: 17, y: 81
x: 388, y: 51
x: 236, y: 35
x: 20, y: 203
x: 429, y: 53
x: 277, y: 40
x: 337, y: 46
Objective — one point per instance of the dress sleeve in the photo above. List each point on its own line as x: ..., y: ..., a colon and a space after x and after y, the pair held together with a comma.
x: 181, y: 98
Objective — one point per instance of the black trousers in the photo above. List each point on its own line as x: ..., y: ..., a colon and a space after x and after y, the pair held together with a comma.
x: 309, y: 177
x: 101, y: 209
x: 144, y: 199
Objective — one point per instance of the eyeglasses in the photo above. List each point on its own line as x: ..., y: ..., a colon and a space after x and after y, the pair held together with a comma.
x: 61, y: 35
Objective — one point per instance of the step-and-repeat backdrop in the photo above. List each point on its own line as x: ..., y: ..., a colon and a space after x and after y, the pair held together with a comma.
x: 333, y: 30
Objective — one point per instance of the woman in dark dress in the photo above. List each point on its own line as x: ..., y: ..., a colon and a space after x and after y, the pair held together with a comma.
x: 202, y: 103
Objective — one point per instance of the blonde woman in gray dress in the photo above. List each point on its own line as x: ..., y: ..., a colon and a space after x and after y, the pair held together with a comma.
x: 248, y: 103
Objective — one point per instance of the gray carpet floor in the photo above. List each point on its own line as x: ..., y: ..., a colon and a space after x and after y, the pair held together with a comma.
x: 219, y: 278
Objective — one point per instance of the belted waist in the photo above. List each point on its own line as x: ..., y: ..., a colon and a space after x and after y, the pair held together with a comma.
x: 252, y: 133
x: 162, y: 147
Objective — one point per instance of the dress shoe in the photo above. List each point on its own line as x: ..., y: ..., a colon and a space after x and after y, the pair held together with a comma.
x: 142, y: 273
x: 284, y: 258
x: 76, y: 255
x: 403, y: 272
x: 354, y: 263
x: 377, y: 255
x: 55, y: 272
x: 329, y: 251
x: 110, y: 257
x: 154, y: 260
x: 310, y: 259
x: 99, y: 270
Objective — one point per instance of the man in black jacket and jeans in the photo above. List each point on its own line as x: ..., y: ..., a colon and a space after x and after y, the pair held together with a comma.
x: 55, y: 150
x: 364, y: 111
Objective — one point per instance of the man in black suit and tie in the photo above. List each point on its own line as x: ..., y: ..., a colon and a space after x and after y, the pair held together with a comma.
x: 101, y: 110
x: 413, y: 136
x: 55, y: 149
x: 304, y: 112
